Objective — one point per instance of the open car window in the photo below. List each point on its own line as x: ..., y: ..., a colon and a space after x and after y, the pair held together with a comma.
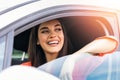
x: 80, y: 29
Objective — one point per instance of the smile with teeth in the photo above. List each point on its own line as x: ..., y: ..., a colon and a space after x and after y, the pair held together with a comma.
x: 53, y: 42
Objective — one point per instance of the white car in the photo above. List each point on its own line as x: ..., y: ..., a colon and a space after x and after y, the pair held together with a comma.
x: 84, y: 21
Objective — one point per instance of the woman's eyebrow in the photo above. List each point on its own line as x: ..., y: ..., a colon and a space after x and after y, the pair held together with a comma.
x: 57, y: 25
x: 43, y: 28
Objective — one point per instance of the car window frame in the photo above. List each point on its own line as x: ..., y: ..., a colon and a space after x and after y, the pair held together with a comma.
x: 2, y: 50
x: 8, y: 49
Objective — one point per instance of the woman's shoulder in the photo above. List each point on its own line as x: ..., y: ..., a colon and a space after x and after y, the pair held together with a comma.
x: 26, y: 63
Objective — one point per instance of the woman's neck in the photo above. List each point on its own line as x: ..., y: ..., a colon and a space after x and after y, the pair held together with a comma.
x: 51, y: 56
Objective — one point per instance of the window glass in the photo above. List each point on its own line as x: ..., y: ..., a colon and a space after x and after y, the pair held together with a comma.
x: 2, y: 50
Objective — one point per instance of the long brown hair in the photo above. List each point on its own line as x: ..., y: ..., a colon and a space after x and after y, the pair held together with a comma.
x: 36, y: 53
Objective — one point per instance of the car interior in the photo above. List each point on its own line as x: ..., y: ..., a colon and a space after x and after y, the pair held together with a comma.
x: 80, y: 29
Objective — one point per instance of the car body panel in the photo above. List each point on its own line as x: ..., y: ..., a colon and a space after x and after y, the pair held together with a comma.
x: 12, y: 5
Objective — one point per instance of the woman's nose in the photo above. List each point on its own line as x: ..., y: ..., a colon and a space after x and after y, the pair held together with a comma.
x: 53, y: 34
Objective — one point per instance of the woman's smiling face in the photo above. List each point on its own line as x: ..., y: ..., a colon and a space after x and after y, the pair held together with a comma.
x: 51, y: 37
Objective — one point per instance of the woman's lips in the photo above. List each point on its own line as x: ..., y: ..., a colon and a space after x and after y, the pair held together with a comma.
x: 53, y: 43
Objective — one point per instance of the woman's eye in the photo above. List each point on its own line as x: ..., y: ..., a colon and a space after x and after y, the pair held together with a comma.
x: 58, y: 29
x: 45, y: 31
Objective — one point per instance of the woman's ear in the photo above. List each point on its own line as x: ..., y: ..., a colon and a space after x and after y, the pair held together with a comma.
x: 38, y: 42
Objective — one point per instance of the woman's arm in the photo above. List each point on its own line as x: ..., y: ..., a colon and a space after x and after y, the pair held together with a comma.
x: 101, y: 46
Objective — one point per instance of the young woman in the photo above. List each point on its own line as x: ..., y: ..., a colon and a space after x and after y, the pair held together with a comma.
x: 48, y: 41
